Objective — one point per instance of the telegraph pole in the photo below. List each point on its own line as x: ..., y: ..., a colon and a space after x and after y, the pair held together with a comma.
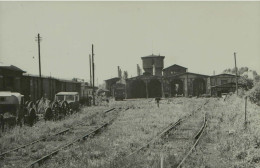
x: 236, y: 72
x: 90, y: 66
x: 39, y: 53
x: 93, y: 70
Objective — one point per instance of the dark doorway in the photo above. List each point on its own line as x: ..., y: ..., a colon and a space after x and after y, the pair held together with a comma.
x: 199, y: 87
x: 154, y: 88
x: 176, y: 87
x: 138, y: 89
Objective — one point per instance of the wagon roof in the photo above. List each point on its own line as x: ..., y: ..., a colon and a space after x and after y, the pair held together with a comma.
x: 10, y: 67
x: 8, y: 93
x: 67, y: 93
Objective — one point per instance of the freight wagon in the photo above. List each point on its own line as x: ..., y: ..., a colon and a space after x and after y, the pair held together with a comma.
x: 31, y: 87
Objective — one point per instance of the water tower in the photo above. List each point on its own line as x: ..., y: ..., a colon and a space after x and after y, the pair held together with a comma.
x: 153, y: 64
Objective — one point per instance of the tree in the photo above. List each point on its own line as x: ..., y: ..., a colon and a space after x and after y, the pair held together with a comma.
x: 125, y: 75
x: 243, y: 77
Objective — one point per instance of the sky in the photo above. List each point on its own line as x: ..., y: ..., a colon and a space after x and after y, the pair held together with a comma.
x: 201, y: 36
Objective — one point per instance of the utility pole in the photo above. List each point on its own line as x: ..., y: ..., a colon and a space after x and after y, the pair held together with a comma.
x: 93, y: 70
x: 90, y: 70
x: 40, y: 74
x: 245, y: 109
x: 236, y: 72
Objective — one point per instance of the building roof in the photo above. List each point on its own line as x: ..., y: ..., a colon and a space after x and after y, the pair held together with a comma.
x: 224, y: 74
x: 187, y: 73
x: 153, y: 56
x: 150, y: 76
x: 113, y: 79
x: 10, y: 67
x: 174, y: 65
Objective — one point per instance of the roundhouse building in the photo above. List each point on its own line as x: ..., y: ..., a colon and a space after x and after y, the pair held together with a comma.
x: 172, y: 81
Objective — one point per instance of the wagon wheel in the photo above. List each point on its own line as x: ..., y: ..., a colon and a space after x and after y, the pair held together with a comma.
x: 71, y: 107
x: 55, y: 109
x: 32, y: 117
x: 48, y: 115
x: 26, y: 103
x: 31, y: 104
x: 65, y: 107
x: 37, y: 102
x: 21, y: 116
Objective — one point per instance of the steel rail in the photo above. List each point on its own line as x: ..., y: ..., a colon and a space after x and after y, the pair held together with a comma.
x: 44, y: 158
x: 167, y: 129
x: 43, y: 139
x: 197, y: 137
x: 109, y: 110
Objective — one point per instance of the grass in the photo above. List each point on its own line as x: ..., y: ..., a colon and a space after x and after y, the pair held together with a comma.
x: 227, y: 142
x: 129, y: 131
x: 20, y: 136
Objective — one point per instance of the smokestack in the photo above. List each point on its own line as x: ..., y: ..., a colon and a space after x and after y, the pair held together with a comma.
x: 138, y: 70
x: 153, y: 63
x: 118, y: 71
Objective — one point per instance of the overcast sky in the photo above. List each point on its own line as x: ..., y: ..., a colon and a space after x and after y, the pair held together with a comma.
x: 201, y: 36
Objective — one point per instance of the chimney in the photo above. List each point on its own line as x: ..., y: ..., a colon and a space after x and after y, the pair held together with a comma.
x: 118, y: 71
x: 138, y: 70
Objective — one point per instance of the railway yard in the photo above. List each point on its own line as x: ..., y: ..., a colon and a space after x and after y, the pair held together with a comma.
x: 182, y: 132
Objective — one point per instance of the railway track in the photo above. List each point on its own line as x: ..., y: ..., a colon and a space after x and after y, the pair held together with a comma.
x: 172, y: 131
x: 43, y: 139
x: 196, y: 138
x: 39, y: 150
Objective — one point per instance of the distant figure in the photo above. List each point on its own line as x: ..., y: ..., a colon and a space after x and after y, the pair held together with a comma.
x: 157, y: 99
x: 2, y: 122
x: 90, y: 101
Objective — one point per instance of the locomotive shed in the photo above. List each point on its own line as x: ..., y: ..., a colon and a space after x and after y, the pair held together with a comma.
x: 172, y: 81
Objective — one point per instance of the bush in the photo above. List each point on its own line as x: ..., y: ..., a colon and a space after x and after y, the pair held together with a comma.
x: 254, y: 94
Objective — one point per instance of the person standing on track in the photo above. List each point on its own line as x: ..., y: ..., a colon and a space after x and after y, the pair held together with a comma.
x: 157, y: 99
x: 2, y: 123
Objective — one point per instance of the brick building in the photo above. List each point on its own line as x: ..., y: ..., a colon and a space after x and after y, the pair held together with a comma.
x: 172, y: 81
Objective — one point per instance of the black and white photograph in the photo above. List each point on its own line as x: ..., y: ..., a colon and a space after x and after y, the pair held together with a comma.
x: 129, y: 84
